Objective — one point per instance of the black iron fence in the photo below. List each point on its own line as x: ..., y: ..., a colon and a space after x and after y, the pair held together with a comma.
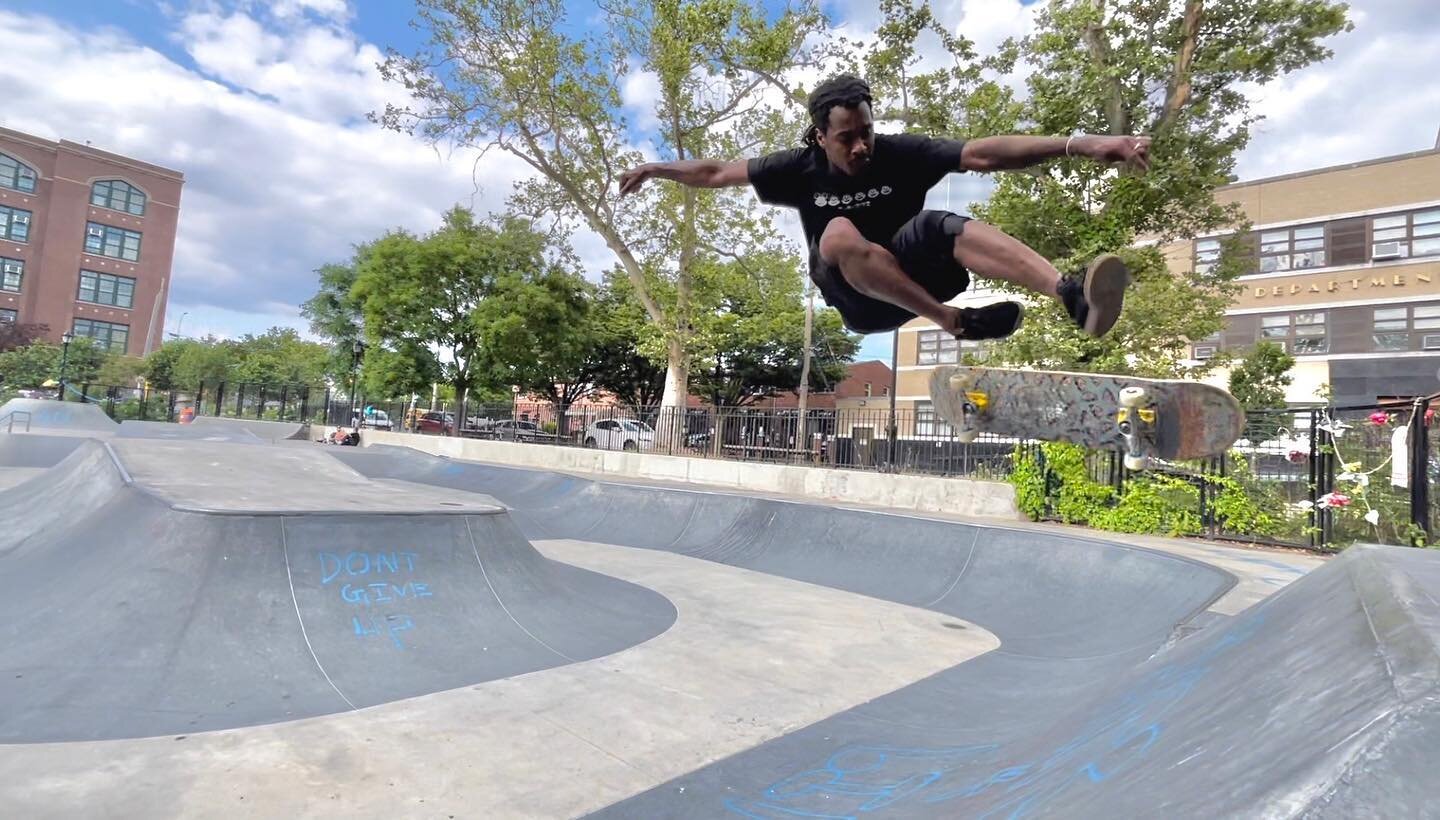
x: 1329, y: 475
x: 1323, y: 476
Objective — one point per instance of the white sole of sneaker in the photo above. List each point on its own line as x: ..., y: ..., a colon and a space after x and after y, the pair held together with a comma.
x: 1105, y: 284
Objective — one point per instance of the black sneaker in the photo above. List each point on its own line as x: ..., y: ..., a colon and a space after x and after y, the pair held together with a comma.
x: 994, y: 321
x: 1094, y: 299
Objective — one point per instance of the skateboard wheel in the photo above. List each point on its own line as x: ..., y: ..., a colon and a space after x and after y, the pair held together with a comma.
x: 966, y: 436
x: 1133, y: 396
x: 1136, y: 462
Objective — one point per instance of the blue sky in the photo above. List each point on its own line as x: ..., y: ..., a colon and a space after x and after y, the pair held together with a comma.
x: 262, y: 104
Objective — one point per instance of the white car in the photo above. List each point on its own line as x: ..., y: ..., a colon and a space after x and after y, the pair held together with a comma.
x: 620, y: 434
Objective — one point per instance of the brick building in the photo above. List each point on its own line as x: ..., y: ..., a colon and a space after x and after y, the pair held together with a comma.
x: 87, y: 239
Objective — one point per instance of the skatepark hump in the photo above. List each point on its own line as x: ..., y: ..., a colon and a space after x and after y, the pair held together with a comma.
x: 502, y: 642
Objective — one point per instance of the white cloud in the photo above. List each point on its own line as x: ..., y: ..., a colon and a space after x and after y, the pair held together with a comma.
x: 333, y: 9
x: 282, y: 172
x: 1372, y: 99
x: 638, y: 93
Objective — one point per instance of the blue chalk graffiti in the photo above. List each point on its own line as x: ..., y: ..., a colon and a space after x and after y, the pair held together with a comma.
x: 358, y: 567
x: 862, y: 779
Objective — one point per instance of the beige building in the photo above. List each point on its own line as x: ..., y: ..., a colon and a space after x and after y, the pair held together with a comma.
x: 1345, y: 273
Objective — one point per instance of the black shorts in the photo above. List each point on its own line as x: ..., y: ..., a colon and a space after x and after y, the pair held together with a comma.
x: 925, y: 249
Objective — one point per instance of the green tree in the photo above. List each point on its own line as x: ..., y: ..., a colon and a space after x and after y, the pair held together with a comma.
x: 1258, y: 382
x: 755, y: 339
x: 391, y: 368
x: 1184, y: 74
x: 430, y: 292
x: 32, y: 365
x: 542, y: 332
x: 279, y: 356
x: 185, y: 364
x: 121, y: 371
x: 505, y: 73
x: 630, y: 362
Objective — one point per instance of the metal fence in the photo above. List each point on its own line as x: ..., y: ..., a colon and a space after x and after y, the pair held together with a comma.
x: 1339, y: 474
x: 1291, y: 463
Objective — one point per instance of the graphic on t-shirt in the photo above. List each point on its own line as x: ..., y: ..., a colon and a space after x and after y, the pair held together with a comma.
x: 850, y: 201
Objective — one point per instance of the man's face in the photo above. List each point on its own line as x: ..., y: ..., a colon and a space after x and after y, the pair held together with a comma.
x: 849, y: 142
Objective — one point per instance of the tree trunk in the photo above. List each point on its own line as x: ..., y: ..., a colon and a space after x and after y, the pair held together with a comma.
x: 1179, y: 92
x: 670, y: 427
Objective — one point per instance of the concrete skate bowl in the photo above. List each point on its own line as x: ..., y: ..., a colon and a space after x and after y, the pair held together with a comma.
x: 57, y: 415
x: 206, y: 428
x: 1318, y: 702
x: 133, y: 605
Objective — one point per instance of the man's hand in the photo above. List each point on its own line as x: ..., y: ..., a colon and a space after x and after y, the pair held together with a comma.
x: 631, y: 180
x: 1133, y: 151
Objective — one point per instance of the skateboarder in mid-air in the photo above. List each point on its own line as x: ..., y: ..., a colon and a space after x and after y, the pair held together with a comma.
x: 875, y: 254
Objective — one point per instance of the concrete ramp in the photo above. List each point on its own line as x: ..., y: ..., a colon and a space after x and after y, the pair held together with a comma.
x: 59, y: 415
x: 156, y: 588
x: 1114, y: 692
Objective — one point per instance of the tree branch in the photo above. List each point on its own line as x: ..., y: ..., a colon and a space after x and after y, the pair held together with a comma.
x: 1179, y: 93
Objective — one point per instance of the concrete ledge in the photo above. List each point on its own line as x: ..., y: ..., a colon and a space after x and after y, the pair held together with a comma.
x: 960, y: 496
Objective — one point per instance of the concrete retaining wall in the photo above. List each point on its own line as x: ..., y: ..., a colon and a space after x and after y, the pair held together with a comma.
x: 960, y: 496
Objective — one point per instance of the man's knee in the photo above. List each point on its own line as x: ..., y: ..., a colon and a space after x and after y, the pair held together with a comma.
x: 841, y: 239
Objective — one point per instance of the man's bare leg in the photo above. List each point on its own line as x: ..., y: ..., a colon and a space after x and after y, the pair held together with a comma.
x: 986, y: 250
x: 873, y: 270
x: 1093, y: 301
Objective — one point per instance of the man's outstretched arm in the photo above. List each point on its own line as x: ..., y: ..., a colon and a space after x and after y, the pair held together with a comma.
x: 697, y: 173
x: 1006, y: 153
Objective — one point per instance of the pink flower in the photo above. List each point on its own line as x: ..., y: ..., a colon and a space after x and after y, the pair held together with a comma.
x: 1334, y: 500
x: 1429, y: 415
x: 1296, y: 456
x: 1379, y: 417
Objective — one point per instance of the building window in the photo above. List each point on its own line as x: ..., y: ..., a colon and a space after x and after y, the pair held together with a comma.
x: 107, y: 289
x: 1207, y: 253
x: 928, y: 424
x: 107, y: 334
x: 12, y: 274
x: 118, y: 195
x: 16, y: 174
x: 105, y: 240
x: 1393, y: 325
x: 1207, y: 347
x: 1405, y: 235
x: 938, y: 347
x: 1300, y: 333
x: 7, y: 315
x: 1392, y: 328
x: 1292, y: 249
x: 14, y: 224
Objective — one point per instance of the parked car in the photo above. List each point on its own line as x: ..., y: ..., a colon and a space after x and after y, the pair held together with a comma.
x: 518, y: 430
x: 435, y: 421
x: 620, y: 434
x: 376, y: 419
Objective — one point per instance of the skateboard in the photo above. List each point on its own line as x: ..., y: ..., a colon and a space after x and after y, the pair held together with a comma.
x: 1146, y: 419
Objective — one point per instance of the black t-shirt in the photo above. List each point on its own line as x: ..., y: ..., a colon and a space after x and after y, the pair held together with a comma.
x: 886, y: 195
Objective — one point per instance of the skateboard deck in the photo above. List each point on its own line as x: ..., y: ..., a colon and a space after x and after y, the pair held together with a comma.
x: 1143, y: 418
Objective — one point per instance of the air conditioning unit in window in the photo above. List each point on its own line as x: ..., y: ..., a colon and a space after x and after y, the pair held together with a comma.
x: 1430, y: 341
x: 1386, y: 250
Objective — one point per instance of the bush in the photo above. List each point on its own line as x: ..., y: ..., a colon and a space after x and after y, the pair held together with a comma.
x: 1150, y: 503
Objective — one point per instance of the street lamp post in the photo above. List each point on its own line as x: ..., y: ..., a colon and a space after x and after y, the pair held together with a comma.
x: 356, y: 350
x: 64, y: 358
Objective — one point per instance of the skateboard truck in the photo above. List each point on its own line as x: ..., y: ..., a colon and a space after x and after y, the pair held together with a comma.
x: 971, y: 407
x: 1136, y: 420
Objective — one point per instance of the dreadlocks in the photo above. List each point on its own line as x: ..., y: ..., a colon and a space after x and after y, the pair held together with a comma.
x: 845, y: 91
